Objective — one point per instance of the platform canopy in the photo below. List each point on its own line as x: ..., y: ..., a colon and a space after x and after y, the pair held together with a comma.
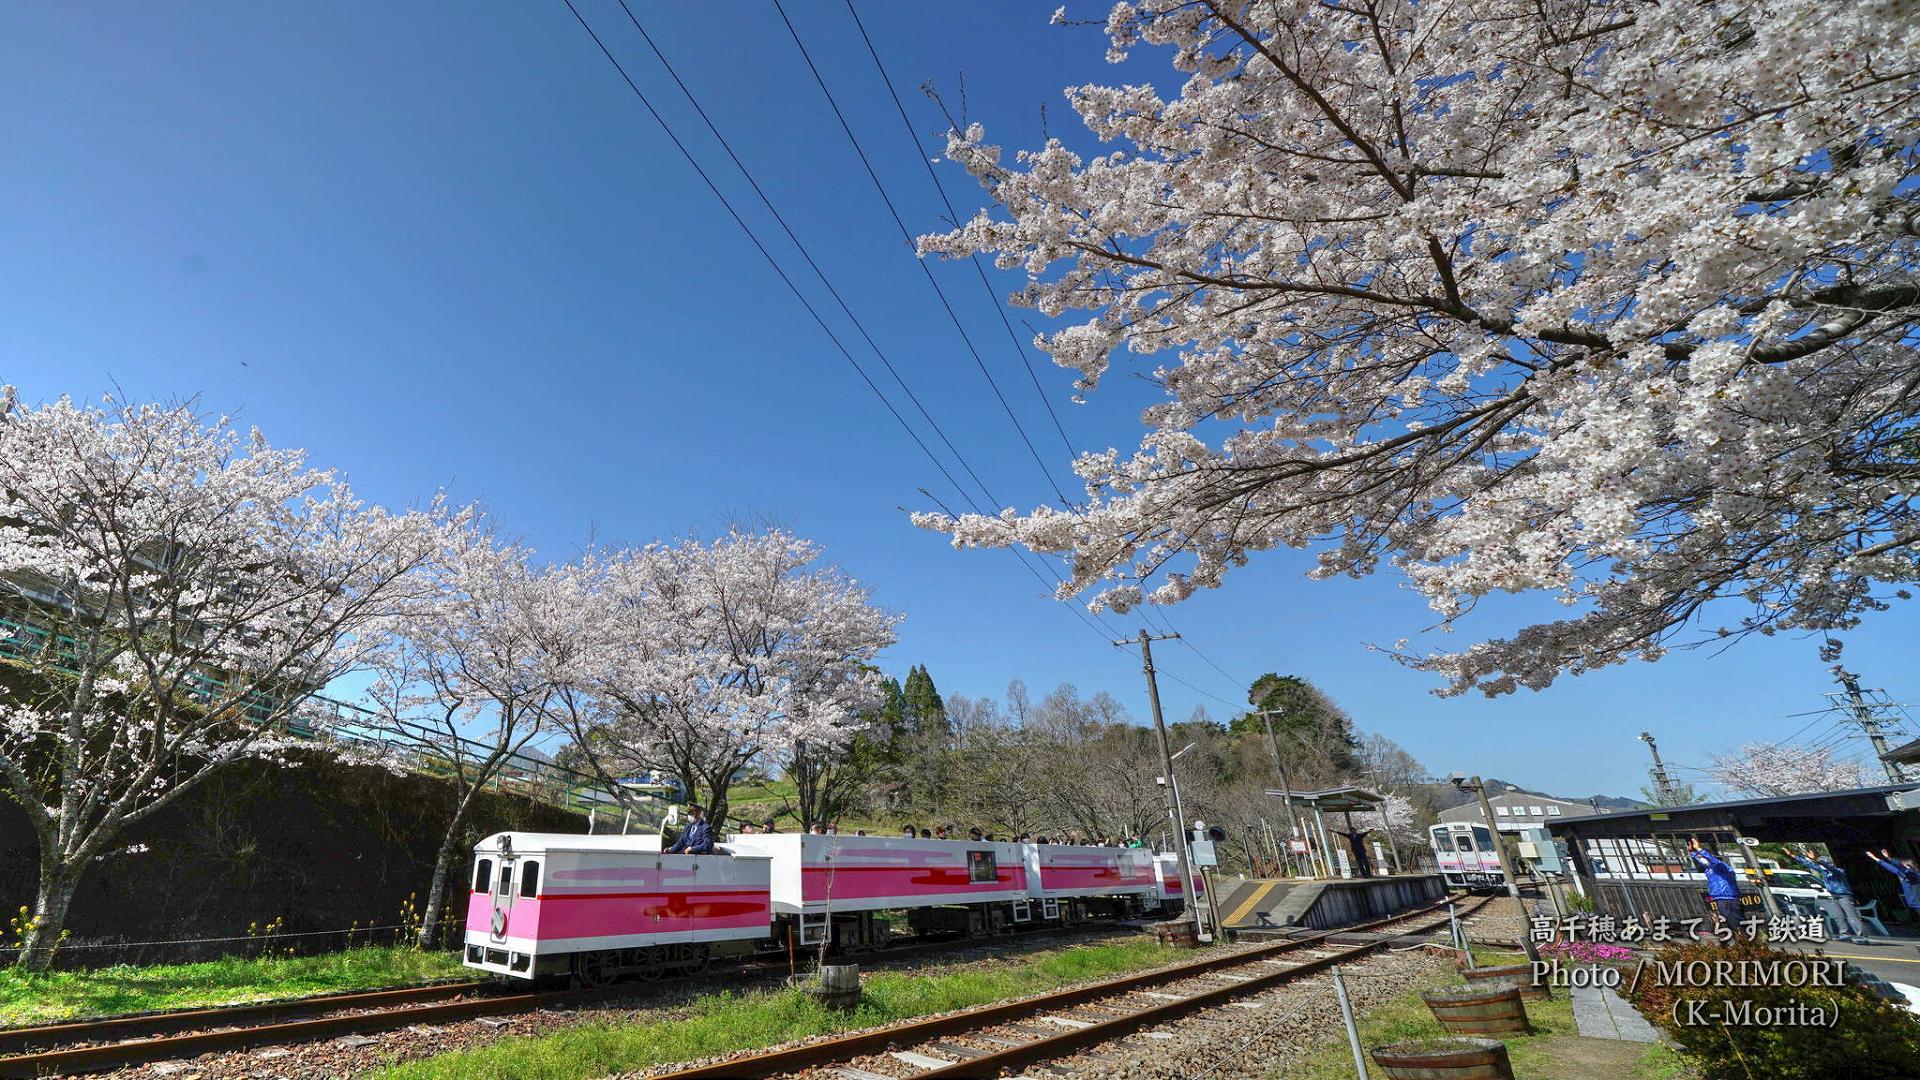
x: 1334, y: 800
x: 1848, y: 819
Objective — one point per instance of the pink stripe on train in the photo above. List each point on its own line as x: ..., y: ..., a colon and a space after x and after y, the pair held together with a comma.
x: 867, y: 882
x: 612, y: 914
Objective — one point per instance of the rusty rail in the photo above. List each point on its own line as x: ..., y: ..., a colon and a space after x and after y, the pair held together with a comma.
x: 794, y: 1059
x: 78, y: 1059
x: 19, y: 1040
x: 266, y: 1023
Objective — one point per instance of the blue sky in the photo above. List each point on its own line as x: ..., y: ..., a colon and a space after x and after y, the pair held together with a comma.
x: 442, y: 245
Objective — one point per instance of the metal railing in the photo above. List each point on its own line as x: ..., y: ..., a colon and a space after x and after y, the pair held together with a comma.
x: 417, y: 748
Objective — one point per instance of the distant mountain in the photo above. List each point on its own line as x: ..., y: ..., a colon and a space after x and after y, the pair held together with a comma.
x: 1604, y: 802
x: 1446, y: 796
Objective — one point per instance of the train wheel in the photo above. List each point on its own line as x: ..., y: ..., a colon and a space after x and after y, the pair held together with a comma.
x: 594, y: 969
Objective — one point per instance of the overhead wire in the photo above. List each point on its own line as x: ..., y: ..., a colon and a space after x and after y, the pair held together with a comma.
x: 906, y: 234
x: 1105, y: 633
x: 792, y: 287
x: 806, y: 255
x: 954, y: 217
x: 980, y: 272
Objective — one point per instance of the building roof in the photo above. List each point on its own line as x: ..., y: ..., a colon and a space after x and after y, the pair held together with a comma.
x: 1335, y: 799
x: 1905, y: 754
x: 1755, y: 815
x: 1470, y: 810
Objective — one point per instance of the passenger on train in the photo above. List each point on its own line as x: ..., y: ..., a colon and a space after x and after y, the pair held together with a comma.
x: 818, y: 829
x: 940, y: 833
x: 909, y: 832
x: 767, y: 826
x: 925, y: 835
x: 697, y: 839
x: 974, y: 834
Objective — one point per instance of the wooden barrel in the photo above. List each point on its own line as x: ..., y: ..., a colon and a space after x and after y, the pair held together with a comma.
x: 1180, y: 935
x: 1520, y: 975
x: 1478, y: 1010
x: 838, y: 986
x: 1445, y: 1059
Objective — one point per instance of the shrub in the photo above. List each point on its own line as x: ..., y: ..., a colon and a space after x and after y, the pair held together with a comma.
x: 1863, y: 1036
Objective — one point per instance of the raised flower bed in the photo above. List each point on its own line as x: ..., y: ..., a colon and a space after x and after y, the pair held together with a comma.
x: 1445, y: 1059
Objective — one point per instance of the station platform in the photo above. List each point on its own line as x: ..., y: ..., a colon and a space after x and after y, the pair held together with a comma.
x: 1321, y: 904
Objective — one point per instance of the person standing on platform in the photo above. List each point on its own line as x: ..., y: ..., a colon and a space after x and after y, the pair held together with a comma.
x: 1838, y: 904
x: 1723, y: 885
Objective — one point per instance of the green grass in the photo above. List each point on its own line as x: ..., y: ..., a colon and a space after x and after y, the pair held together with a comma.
x: 724, y: 1022
x: 1555, y: 1051
x: 65, y: 995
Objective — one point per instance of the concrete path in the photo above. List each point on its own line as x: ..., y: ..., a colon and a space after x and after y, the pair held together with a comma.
x: 1600, y: 1013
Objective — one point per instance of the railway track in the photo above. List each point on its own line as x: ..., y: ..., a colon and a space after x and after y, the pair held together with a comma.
x: 113, y: 1042
x: 1052, y: 1026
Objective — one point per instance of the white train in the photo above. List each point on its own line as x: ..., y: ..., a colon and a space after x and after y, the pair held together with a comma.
x: 1465, y: 854
x: 598, y: 908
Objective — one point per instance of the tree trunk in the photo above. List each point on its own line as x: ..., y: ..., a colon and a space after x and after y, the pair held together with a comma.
x: 50, y: 903
x: 437, y: 891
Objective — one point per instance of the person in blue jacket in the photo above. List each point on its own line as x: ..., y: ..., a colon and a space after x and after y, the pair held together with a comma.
x: 1903, y: 871
x: 1838, y: 903
x: 697, y: 839
x: 1723, y: 885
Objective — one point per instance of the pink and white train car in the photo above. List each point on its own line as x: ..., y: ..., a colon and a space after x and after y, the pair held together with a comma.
x: 1167, y: 886
x: 841, y: 880
x: 1059, y: 871
x: 598, y: 907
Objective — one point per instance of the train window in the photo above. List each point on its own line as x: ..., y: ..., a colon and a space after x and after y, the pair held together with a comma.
x: 483, y: 876
x: 530, y: 879
x: 981, y: 867
x: 1464, y: 841
x: 506, y: 879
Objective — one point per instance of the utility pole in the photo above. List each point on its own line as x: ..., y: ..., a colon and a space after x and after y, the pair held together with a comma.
x: 1506, y: 865
x: 1386, y: 826
x: 1145, y: 641
x: 1662, y: 785
x: 1869, y: 723
x: 1286, y: 782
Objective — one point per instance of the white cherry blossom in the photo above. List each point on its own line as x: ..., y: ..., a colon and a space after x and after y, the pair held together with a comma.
x: 175, y: 588
x: 1614, y: 300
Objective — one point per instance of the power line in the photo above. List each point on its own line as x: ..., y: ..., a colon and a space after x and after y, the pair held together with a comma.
x: 762, y: 249
x: 954, y: 217
x: 804, y: 253
x: 1197, y: 690
x: 845, y: 308
x: 1097, y: 629
x: 946, y: 303
x: 1224, y: 673
x: 907, y: 235
x: 785, y: 279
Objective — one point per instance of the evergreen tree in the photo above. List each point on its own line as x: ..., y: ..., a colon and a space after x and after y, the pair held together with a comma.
x: 925, y: 713
x: 891, y: 722
x: 1304, y: 716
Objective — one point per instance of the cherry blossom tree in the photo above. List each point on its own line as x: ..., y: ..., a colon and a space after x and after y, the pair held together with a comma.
x: 1767, y: 770
x: 1396, y: 816
x: 174, y: 588
x: 466, y: 681
x: 711, y: 656
x: 1614, y: 300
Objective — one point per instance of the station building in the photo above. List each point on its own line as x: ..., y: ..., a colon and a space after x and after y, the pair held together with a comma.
x: 1635, y: 862
x: 1516, y: 811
